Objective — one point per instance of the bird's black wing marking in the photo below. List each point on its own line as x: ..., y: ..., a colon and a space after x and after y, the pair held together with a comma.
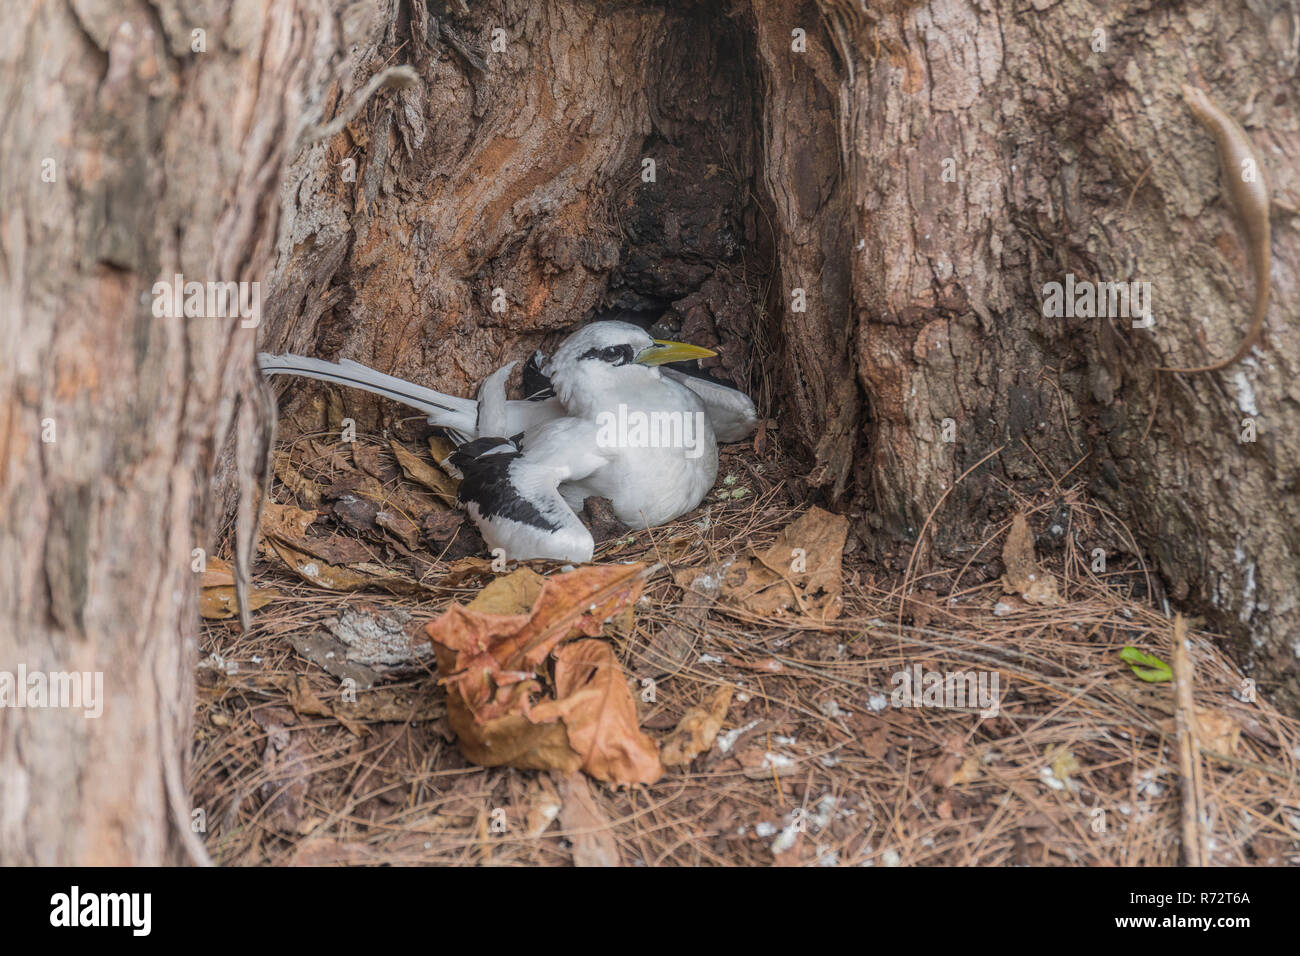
x: 487, y: 482
x: 537, y: 386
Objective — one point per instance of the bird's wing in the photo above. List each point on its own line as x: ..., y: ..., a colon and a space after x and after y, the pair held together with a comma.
x: 523, y: 416
x: 492, y: 417
x: 731, y: 412
x: 510, y: 490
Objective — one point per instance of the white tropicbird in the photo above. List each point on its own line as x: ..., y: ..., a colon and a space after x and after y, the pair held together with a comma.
x: 614, y: 425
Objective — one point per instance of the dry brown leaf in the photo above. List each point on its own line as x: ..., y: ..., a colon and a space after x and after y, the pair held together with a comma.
x: 340, y: 578
x: 1217, y: 731
x: 800, y: 571
x: 216, y: 573
x: 366, y: 458
x: 516, y: 593
x: 383, y: 488
x: 417, y: 469
x: 400, y: 527
x: 441, y: 449
x: 544, y: 805
x: 305, y: 489
x: 220, y: 603
x: 328, y: 457
x: 288, y: 524
x: 599, y: 714
x: 697, y: 729
x: 320, y: 573
x: 334, y: 548
x: 305, y: 703
x: 356, y: 484
x: 671, y: 647
x: 1023, y: 574
x: 494, y: 650
x: 466, y: 569
x: 304, y: 700
x: 402, y: 703
x: 511, y: 741
x: 491, y: 653
x: 586, y: 824
x: 286, y: 521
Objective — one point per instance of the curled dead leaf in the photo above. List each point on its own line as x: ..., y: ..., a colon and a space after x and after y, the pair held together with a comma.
x: 801, y: 571
x: 586, y: 824
x: 419, y: 470
x: 285, y: 521
x: 216, y: 573
x: 594, y: 703
x: 337, y: 577
x: 697, y: 729
x: 491, y: 655
x: 220, y: 603
x: 302, y: 487
x: 1024, y: 576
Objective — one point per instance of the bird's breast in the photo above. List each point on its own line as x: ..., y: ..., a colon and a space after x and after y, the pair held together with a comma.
x: 652, y: 485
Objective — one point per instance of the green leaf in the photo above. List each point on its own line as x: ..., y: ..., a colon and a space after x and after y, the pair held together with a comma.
x: 1145, y: 666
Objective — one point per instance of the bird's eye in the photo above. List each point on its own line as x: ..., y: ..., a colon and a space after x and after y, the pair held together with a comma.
x: 613, y: 354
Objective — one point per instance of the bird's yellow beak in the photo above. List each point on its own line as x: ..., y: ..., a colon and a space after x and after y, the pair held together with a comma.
x: 664, y: 351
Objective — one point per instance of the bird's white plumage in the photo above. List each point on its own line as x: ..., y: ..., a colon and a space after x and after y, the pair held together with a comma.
x: 731, y: 413
x: 524, y: 497
x: 553, y: 454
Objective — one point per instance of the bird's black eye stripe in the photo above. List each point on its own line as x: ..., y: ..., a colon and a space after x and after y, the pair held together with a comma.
x: 613, y: 354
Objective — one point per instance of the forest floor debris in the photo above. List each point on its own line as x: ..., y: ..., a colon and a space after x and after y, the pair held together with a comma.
x: 794, y: 719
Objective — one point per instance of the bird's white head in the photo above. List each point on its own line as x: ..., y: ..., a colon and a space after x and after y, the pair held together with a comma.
x: 606, y: 358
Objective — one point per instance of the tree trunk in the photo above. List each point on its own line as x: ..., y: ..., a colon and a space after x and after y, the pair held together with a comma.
x: 1082, y: 161
x: 131, y: 157
x: 860, y: 206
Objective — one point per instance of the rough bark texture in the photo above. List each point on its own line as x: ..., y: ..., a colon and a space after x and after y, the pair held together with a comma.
x: 165, y: 161
x: 1050, y: 140
x: 799, y: 219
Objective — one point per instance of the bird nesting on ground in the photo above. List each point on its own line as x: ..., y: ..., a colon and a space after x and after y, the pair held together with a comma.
x: 603, y: 418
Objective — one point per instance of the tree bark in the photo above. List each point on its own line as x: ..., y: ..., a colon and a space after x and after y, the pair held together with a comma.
x: 1075, y: 160
x: 157, y: 160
